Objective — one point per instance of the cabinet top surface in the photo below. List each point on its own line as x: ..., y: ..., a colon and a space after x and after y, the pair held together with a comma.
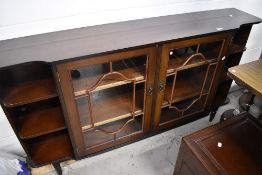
x: 249, y: 75
x: 109, y: 37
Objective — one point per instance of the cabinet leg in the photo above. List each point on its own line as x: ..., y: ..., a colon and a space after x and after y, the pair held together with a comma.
x: 57, y: 167
x: 212, y: 115
x: 214, y: 111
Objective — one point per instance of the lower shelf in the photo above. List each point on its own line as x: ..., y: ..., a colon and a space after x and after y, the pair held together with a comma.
x: 50, y: 148
x: 110, y: 105
x: 171, y: 115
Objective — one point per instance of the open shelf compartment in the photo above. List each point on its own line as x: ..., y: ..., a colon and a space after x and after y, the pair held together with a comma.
x: 39, y: 119
x: 50, y: 148
x: 29, y: 92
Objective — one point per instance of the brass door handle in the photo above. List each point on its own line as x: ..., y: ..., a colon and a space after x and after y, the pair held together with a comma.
x: 150, y: 90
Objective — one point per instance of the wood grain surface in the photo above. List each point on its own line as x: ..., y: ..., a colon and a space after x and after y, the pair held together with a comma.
x: 249, y: 75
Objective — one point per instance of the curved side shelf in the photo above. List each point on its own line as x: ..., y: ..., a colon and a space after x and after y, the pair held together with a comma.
x: 30, y: 92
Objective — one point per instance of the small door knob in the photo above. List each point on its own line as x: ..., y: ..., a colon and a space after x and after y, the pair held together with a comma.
x: 150, y: 90
x: 161, y: 86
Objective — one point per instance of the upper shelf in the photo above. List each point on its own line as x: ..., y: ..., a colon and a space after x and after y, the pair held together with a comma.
x: 81, y: 85
x: 106, y: 75
x: 30, y: 92
x: 177, y: 62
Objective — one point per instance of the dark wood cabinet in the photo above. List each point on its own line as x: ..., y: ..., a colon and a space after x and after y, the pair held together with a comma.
x: 138, y: 78
x: 231, y: 147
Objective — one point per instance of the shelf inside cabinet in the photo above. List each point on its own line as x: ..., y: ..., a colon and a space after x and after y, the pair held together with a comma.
x: 108, y: 82
x: 30, y: 92
x: 114, y: 74
x: 40, y: 122
x: 187, y: 85
x: 50, y: 148
x: 109, y: 106
x: 184, y: 90
x: 177, y: 62
x: 97, y: 137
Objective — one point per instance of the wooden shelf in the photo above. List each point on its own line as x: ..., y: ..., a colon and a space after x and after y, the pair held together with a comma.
x: 184, y: 89
x: 50, y: 148
x: 30, y: 92
x: 110, y: 108
x: 40, y: 122
x: 175, y: 63
x: 96, y: 137
x: 114, y: 80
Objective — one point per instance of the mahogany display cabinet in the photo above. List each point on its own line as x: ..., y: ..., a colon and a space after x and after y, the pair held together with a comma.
x: 137, y: 79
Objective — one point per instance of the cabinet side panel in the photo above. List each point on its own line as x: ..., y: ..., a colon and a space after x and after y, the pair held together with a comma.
x: 187, y: 163
x: 70, y: 115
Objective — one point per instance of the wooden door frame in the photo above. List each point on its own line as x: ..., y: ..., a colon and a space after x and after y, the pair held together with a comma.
x: 67, y: 94
x: 163, y: 64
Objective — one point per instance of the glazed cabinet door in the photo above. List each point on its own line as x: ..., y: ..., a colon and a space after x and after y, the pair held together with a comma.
x: 186, y: 75
x: 108, y: 98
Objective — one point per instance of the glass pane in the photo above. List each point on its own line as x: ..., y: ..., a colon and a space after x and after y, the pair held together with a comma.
x: 113, y: 131
x: 87, y: 77
x: 196, y: 107
x: 172, y: 114
x: 210, y: 76
x: 132, y: 127
x: 188, y: 83
x: 110, y: 104
x: 179, y: 56
x: 168, y: 115
x: 211, y: 50
x: 100, y: 77
x: 110, y: 98
x: 132, y: 68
